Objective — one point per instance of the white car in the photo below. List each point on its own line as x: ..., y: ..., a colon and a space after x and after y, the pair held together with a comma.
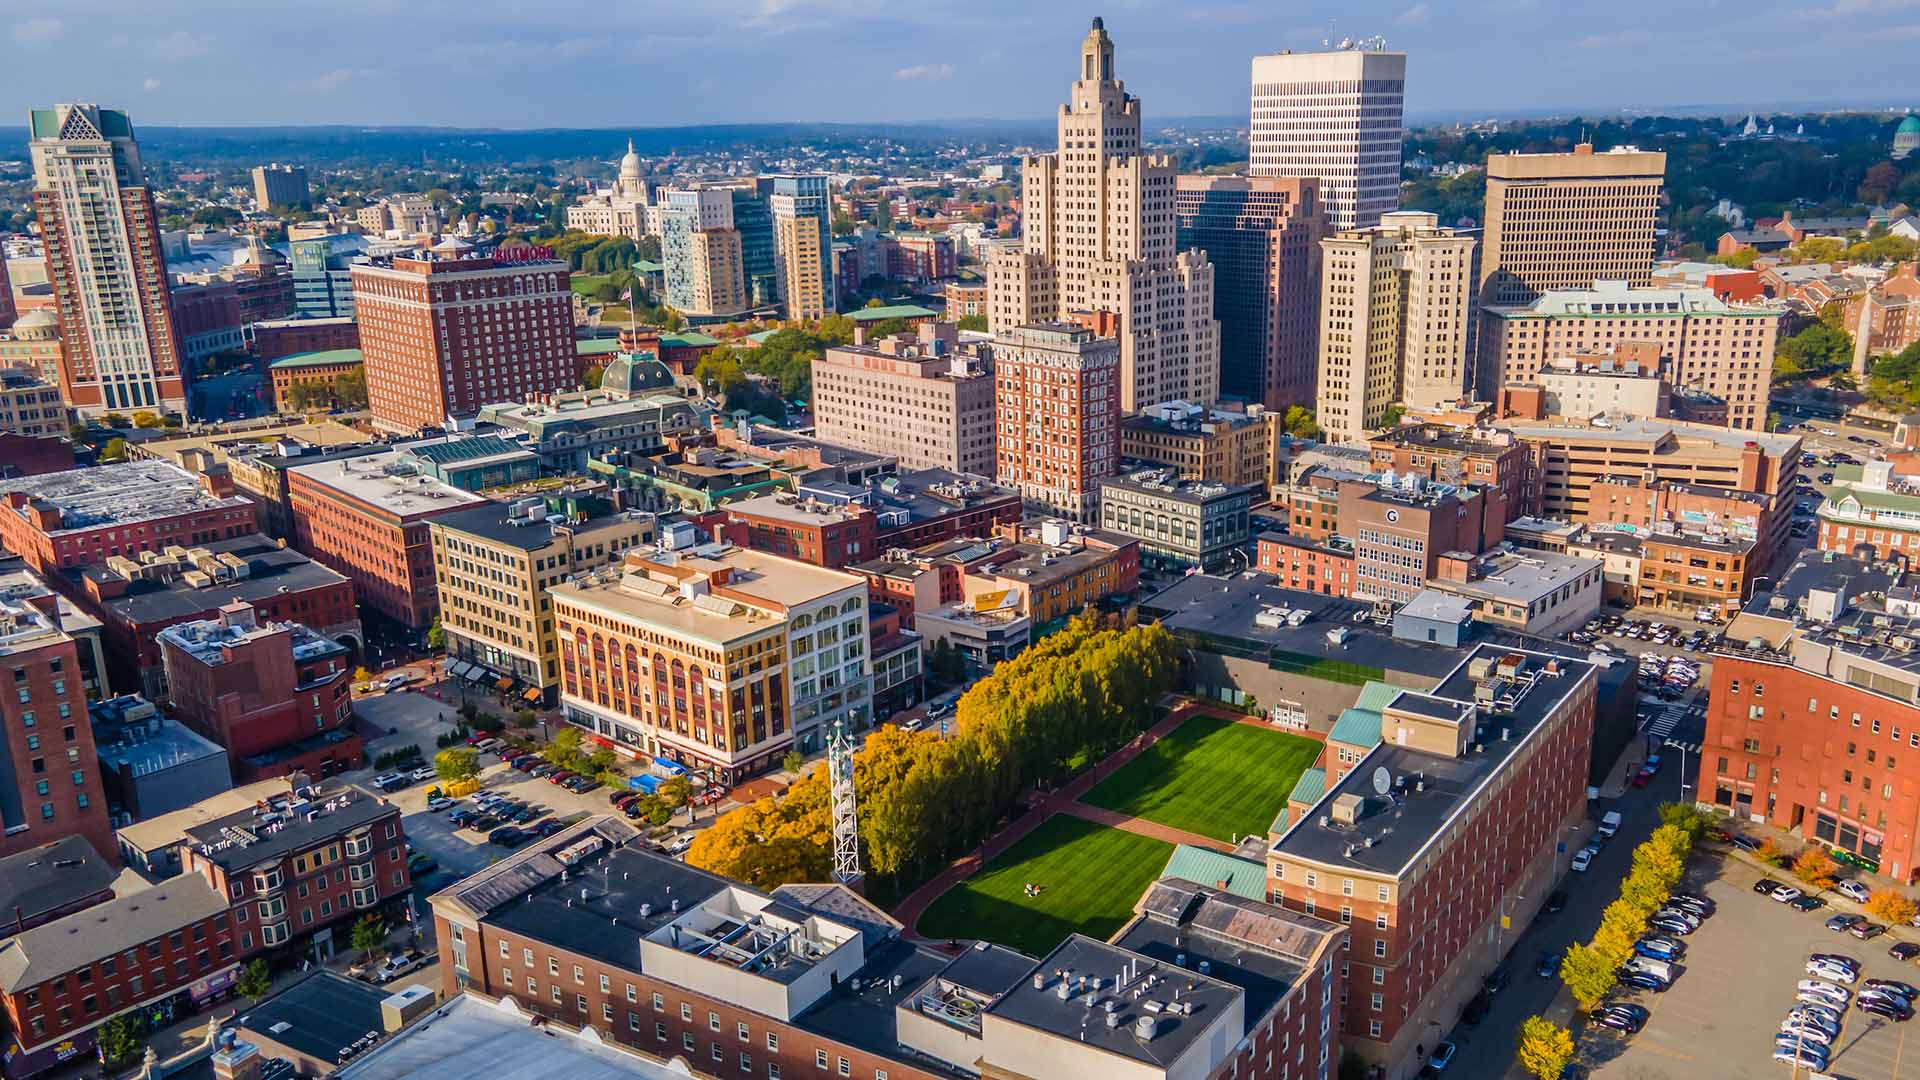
x: 679, y: 844
x: 1853, y: 890
x: 422, y: 774
x: 1819, y: 1013
x: 1582, y: 859
x: 1786, y: 894
x: 1839, y: 973
x: 1828, y: 432
x: 1832, y: 995
x: 1807, y: 1032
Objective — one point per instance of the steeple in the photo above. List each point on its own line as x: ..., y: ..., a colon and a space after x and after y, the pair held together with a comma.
x: 1096, y: 54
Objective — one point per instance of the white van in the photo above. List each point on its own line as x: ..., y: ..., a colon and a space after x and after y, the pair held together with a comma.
x: 1659, y: 969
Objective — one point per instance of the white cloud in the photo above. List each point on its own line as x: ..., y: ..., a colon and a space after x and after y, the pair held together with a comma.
x: 1417, y: 15
x: 38, y: 31
x: 150, y: 85
x: 925, y: 71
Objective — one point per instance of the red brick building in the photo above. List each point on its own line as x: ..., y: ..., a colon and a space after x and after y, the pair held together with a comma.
x: 166, y: 951
x: 28, y: 455
x: 675, y: 975
x: 82, y: 516
x: 1486, y: 457
x: 1310, y: 566
x: 796, y: 527
x: 272, y: 339
x: 1810, y: 718
x: 367, y: 518
x: 1484, y: 775
x: 445, y: 332
x: 46, y: 739
x: 274, y: 695
x: 1057, y: 399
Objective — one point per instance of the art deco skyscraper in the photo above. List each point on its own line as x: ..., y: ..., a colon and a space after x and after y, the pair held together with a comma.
x: 109, y: 277
x: 1334, y: 116
x: 1100, y: 236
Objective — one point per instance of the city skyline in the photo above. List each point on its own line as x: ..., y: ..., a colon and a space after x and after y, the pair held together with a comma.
x: 486, y: 67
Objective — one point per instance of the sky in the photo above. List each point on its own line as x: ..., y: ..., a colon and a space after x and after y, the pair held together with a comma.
x: 649, y: 63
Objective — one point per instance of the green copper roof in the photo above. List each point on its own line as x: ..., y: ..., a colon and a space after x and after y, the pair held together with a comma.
x: 648, y: 266
x: 1280, y: 821
x: 319, y: 359
x: 480, y: 446
x: 891, y: 311
x: 1376, y: 696
x: 762, y: 336
x: 1909, y: 126
x: 1241, y: 877
x: 1312, y: 785
x: 1356, y: 727
x: 596, y: 346
x: 687, y: 339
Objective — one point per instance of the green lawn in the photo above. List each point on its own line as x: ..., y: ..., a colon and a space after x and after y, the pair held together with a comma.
x: 1090, y: 878
x: 1210, y: 776
x: 586, y: 283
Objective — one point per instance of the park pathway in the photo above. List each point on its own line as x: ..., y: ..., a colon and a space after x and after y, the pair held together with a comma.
x: 1113, y: 819
x: 1065, y: 800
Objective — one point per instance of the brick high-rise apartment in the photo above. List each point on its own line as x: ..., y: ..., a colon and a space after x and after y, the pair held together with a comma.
x: 1100, y: 237
x: 52, y: 774
x: 1565, y: 221
x: 922, y: 399
x: 1429, y: 824
x: 445, y: 332
x: 1396, y: 306
x: 1704, y: 343
x: 802, y: 244
x: 109, y: 277
x: 1263, y: 237
x: 1334, y: 116
x: 1057, y: 404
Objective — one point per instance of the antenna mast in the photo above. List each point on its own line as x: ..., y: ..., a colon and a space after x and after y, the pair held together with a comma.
x: 846, y: 817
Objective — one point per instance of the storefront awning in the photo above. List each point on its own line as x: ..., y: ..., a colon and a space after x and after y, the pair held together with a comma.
x: 459, y: 668
x: 532, y: 695
x: 477, y: 674
x: 504, y: 684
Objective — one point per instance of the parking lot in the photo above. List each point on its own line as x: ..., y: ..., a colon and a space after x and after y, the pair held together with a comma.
x: 1735, y: 985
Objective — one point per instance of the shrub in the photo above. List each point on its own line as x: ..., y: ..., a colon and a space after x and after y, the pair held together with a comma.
x: 1816, y: 868
x: 1892, y: 907
x: 1771, y: 853
x: 457, y: 763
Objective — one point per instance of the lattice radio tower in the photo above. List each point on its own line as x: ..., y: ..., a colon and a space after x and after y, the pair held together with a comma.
x: 846, y: 815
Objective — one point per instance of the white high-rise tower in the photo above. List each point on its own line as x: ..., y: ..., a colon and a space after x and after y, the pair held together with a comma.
x: 1099, y: 231
x: 1334, y: 116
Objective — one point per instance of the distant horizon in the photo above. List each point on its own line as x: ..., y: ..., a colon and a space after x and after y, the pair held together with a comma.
x: 492, y: 65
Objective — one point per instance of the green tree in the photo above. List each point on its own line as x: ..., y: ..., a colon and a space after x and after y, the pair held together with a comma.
x: 1739, y: 260
x: 1545, y: 1047
x: 368, y: 934
x: 436, y: 635
x: 115, y: 450
x: 1300, y: 422
x: 456, y: 763
x: 350, y: 389
x: 119, y: 1039
x: 793, y: 761
x: 1391, y: 418
x: 973, y: 322
x: 1587, y: 975
x: 256, y: 979
x: 595, y: 374
x: 676, y: 792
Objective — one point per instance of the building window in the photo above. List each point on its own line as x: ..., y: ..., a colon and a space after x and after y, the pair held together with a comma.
x: 713, y: 1021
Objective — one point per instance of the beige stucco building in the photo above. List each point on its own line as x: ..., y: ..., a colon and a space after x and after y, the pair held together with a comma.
x: 919, y: 398
x: 1565, y: 221
x: 1395, y: 306
x: 1100, y: 236
x: 1705, y: 343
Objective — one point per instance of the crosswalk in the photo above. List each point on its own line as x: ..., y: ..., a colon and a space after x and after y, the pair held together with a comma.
x: 1662, y: 723
x: 1677, y: 744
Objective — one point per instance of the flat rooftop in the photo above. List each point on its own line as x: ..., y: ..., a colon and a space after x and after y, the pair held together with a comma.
x: 867, y: 1018
x: 1717, y: 545
x: 144, y: 744
x: 619, y: 883
x: 1524, y: 577
x: 470, y: 1036
x: 175, y: 827
x: 1878, y: 620
x: 1638, y: 430
x: 319, y: 1016
x: 24, y: 627
x: 1262, y: 948
x: 126, y: 493
x: 52, y: 875
x: 1427, y: 790
x: 1202, y: 1000
x: 271, y: 570
x: 1165, y: 484
x: 289, y: 823
x: 389, y: 482
x: 494, y: 523
x: 207, y: 640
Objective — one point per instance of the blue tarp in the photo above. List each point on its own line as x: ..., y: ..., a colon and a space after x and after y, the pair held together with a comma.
x: 669, y: 768
x: 646, y: 782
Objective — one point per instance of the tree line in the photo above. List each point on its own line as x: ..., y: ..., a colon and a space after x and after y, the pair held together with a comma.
x: 1590, y: 970
x: 1067, y: 700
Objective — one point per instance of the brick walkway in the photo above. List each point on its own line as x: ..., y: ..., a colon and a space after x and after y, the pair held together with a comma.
x: 1065, y: 800
x: 1113, y: 819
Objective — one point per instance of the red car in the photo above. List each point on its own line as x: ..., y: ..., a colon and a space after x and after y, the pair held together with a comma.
x: 477, y: 738
x: 561, y: 777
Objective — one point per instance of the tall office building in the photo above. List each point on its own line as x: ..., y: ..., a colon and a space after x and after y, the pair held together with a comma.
x: 8, y: 312
x: 803, y: 244
x: 1396, y: 301
x: 279, y: 185
x: 1099, y: 236
x: 753, y: 218
x: 1334, y: 116
x: 1263, y: 237
x: 109, y: 276
x: 1057, y: 411
x: 445, y: 331
x: 702, y: 253
x: 1565, y: 221
x: 322, y: 280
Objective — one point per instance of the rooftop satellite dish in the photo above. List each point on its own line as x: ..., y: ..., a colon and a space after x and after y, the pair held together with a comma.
x: 1382, y: 780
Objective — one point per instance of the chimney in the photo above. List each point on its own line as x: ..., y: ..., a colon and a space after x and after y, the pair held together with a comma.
x: 236, y: 1059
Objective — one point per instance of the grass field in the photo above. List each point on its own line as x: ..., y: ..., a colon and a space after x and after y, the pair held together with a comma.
x: 586, y: 283
x: 1211, y: 776
x: 1090, y: 878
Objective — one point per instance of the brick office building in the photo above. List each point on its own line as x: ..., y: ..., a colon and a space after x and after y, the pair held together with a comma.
x: 1297, y: 562
x: 794, y: 527
x: 47, y: 757
x: 921, y: 398
x: 367, y: 518
x: 166, y: 951
x: 1483, y: 776
x: 1813, y: 707
x: 69, y: 519
x: 271, y: 339
x: 1057, y: 406
x: 1677, y: 506
x: 1487, y: 457
x: 273, y: 694
x: 674, y: 961
x: 1400, y: 531
x: 445, y: 332
x: 298, y: 865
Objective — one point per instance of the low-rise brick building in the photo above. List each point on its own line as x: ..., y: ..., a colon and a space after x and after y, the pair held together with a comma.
x: 82, y: 516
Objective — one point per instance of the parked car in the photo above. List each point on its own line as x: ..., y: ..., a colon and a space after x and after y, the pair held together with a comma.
x: 1806, y: 903
x: 1852, y: 890
x: 1619, y: 1020
x: 1825, y: 1014
x: 398, y: 965
x: 1442, y: 1056
x: 1548, y: 964
x: 1834, y: 973
x: 1890, y: 1007
x: 1827, y: 992
x: 421, y: 863
x: 1498, y: 980
x: 1841, y: 959
x: 508, y: 836
x: 1905, y: 990
x: 1583, y: 858
x: 1659, y: 948
x: 422, y: 774
x: 1866, y: 931
x: 679, y: 844
x: 1765, y: 886
x: 1844, y: 922
x: 1644, y: 980
x: 1670, y: 925
x: 548, y: 827
x: 1904, y: 951
x: 390, y: 781
x: 438, y: 803
x: 1556, y: 901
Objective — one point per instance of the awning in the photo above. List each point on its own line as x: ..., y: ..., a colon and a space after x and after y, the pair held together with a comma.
x: 477, y: 674
x: 669, y: 767
x: 459, y: 668
x: 532, y: 695
x: 504, y: 684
